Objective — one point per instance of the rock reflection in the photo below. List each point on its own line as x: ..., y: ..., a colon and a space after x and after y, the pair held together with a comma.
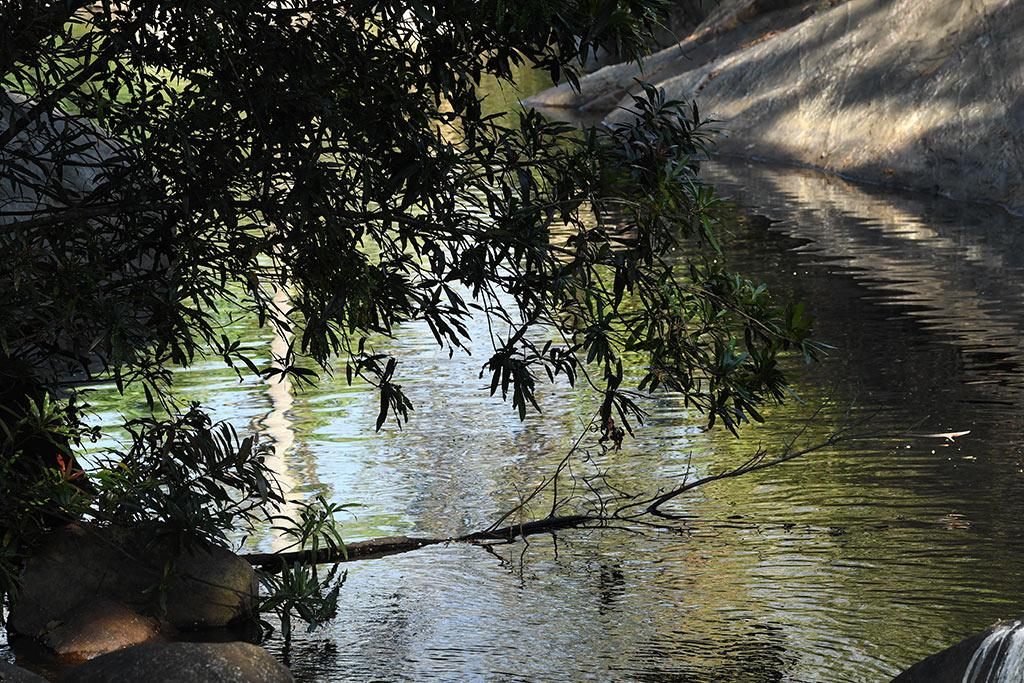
x: 278, y: 426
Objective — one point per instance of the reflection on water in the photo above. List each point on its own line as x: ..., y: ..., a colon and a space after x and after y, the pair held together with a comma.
x: 277, y: 424
x: 844, y: 567
x: 847, y: 566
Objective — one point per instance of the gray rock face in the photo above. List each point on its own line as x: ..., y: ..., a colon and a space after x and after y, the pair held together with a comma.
x: 61, y: 174
x: 41, y: 153
x: 97, y: 628
x: 77, y: 567
x: 9, y: 673
x: 730, y: 26
x: 183, y: 663
x: 996, y: 654
x: 921, y: 94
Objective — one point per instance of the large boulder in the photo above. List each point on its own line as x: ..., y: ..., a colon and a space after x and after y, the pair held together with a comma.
x: 919, y: 94
x: 996, y: 654
x: 61, y: 159
x: 207, y: 587
x: 183, y: 663
x: 75, y: 199
x: 9, y: 673
x: 728, y: 27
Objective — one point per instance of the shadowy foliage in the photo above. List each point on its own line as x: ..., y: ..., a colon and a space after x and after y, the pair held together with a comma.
x: 170, y: 167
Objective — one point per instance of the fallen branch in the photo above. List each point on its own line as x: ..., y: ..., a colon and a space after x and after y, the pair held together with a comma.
x: 361, y: 550
x: 393, y: 545
x: 534, y: 526
x: 643, y: 506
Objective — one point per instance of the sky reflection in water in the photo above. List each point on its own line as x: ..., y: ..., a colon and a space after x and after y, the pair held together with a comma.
x: 846, y: 566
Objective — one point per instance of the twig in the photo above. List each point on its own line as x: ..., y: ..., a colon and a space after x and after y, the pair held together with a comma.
x: 648, y: 507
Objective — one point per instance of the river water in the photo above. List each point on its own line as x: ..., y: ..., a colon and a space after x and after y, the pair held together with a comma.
x: 845, y: 566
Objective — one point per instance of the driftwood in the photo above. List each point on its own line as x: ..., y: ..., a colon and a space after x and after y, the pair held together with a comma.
x: 392, y: 545
x: 631, y: 509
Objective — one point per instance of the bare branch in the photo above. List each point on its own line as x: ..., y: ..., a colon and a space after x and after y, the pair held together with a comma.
x: 649, y: 507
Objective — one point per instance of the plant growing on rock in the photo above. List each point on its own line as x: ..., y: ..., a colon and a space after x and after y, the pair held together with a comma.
x: 169, y: 167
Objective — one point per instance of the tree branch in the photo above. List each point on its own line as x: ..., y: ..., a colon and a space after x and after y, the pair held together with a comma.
x: 391, y: 545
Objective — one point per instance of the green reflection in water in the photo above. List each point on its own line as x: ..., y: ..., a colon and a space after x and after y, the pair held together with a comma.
x: 846, y: 566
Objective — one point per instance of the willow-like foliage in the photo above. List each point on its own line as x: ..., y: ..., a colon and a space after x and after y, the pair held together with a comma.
x: 167, y: 166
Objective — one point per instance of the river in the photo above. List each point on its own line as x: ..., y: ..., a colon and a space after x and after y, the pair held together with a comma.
x: 847, y: 565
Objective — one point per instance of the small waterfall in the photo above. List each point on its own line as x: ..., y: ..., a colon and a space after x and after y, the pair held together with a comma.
x: 1000, y: 657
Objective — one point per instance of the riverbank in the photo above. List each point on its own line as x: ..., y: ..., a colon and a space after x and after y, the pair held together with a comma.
x: 903, y: 93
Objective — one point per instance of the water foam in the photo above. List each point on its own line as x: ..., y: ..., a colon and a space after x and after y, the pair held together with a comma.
x: 1000, y: 656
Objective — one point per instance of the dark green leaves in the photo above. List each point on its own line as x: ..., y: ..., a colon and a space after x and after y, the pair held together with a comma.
x: 333, y: 170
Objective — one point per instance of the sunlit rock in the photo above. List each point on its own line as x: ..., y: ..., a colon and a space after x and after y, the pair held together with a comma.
x: 921, y: 94
x: 97, y: 628
x: 193, y: 662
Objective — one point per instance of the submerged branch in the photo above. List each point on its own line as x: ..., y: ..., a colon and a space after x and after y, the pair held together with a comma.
x: 649, y: 506
x: 392, y: 545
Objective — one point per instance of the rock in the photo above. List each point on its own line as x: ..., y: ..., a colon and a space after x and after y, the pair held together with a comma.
x: 94, y: 160
x: 63, y: 161
x: 996, y: 654
x: 97, y: 628
x: 79, y: 565
x: 217, y: 588
x: 9, y: 673
x: 731, y: 25
x: 919, y: 94
x: 183, y: 663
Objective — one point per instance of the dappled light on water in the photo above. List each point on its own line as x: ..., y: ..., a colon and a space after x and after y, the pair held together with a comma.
x: 845, y: 566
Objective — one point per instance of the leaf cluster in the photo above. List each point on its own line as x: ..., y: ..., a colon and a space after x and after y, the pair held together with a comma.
x: 170, y: 167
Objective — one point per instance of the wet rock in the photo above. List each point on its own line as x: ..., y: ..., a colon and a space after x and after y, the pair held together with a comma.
x: 78, y: 565
x: 97, y: 628
x: 996, y: 654
x: 9, y: 673
x: 183, y: 663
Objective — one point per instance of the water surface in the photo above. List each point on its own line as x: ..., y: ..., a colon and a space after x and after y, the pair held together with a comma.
x: 845, y: 566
